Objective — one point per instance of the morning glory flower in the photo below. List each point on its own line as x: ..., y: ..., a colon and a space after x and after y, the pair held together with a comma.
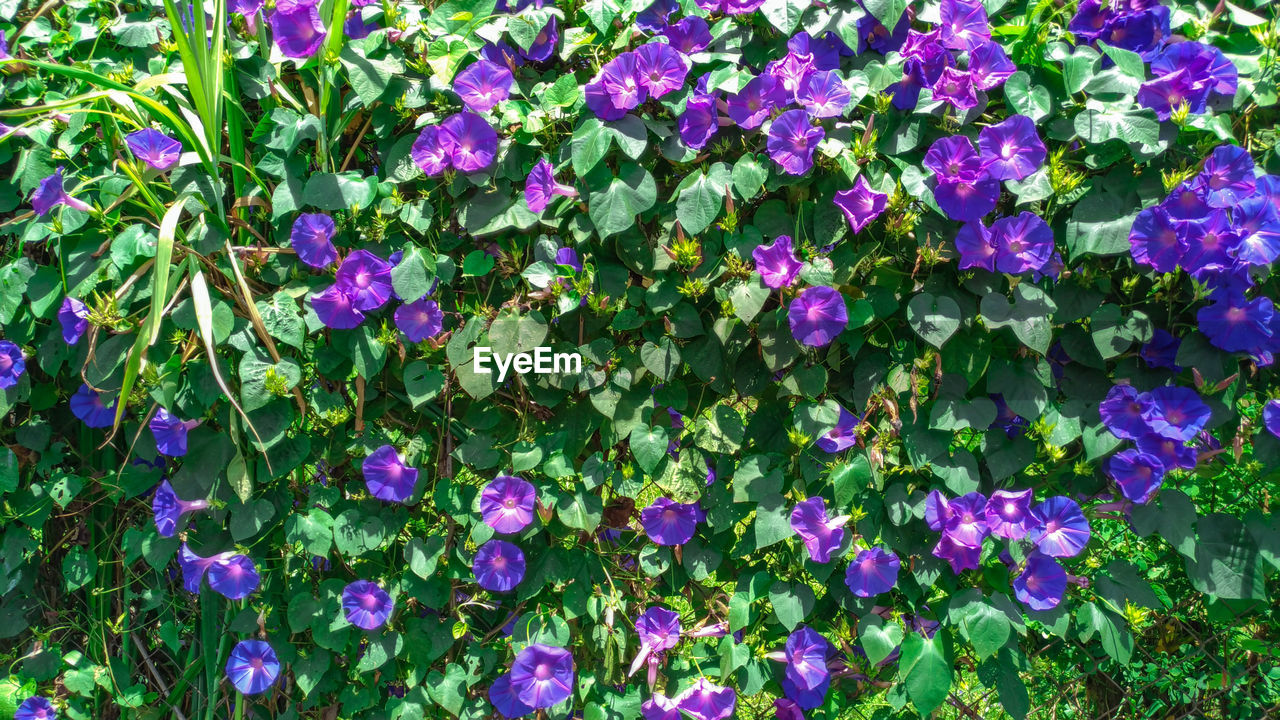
x: 1041, y: 584
x: 471, y: 142
x: 88, y: 406
x: 428, y: 153
x: 544, y: 43
x: 312, y: 239
x: 253, y: 667
x: 960, y: 557
x: 786, y: 708
x: 356, y: 28
x: 1212, y: 243
x: 791, y: 71
x: 249, y: 10
x: 1174, y: 412
x: 542, y: 675
x: 842, y: 436
x: 937, y: 510
x: 823, y: 94
x: 1061, y: 528
x: 498, y: 566
x: 989, y: 66
x: 749, y: 108
x: 705, y: 700
x: 1271, y: 417
x: 1259, y: 231
x: 817, y: 315
x: 1155, y: 240
x: 168, y: 509
x: 483, y: 84
x: 822, y: 535
x: 689, y: 35
x: 616, y: 89
x: 154, y: 148
x: 170, y: 432
x: 1122, y: 412
x: 1011, y: 150
x: 1167, y: 93
x: 964, y: 24
x: 1161, y: 351
x: 1235, y: 324
x: 336, y: 308
x: 660, y: 68
x: 976, y: 247
x: 367, y: 278
x: 967, y: 521
x: 387, y: 477
x: 654, y: 18
x: 955, y: 87
x: 872, y: 572
x: 297, y: 27
x: 699, y: 121
x: 1172, y: 453
x: 1207, y: 67
x: 860, y: 204
x: 792, y: 138
x: 506, y: 504
x: 659, y: 630
x: 366, y: 605
x: 233, y: 576
x: 1227, y: 177
x: 660, y: 707
x: 667, y: 522
x: 50, y: 194
x: 73, y: 315
x: 1008, y: 514
x: 12, y: 364
x: 419, y: 320
x: 962, y: 187
x: 806, y: 656
x: 1137, y: 474
x: 1022, y: 243
x: 193, y: 567
x: 541, y: 187
x: 504, y: 698
x: 777, y: 262
x: 569, y: 257
x: 35, y: 707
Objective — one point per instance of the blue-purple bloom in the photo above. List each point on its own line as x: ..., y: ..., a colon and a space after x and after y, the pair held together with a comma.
x: 817, y: 315
x: 872, y: 572
x: 1023, y: 243
x: 689, y: 35
x: 964, y: 24
x: 842, y: 436
x: 704, y: 700
x: 233, y: 576
x: 541, y: 187
x: 12, y: 364
x: 1271, y: 417
x: 963, y: 189
x: 699, y: 121
x: 297, y: 27
x: 1011, y: 150
x: 660, y: 68
x: 1174, y: 412
x: 312, y: 239
x: 504, y: 698
x: 428, y: 153
x: 366, y: 605
x: 1137, y: 474
x: 616, y: 89
x: 470, y: 141
x: 170, y: 432
x: 749, y: 108
x: 823, y: 94
x: 387, y: 476
x: 483, y: 84
x: 506, y: 504
x: 367, y: 278
x: 50, y: 193
x: 822, y: 535
x: 34, y: 707
x: 419, y: 320
x: 1061, y: 528
x: 154, y: 148
x: 667, y: 522
x: 1008, y: 514
x: 777, y: 262
x: 792, y: 139
x: 860, y: 204
x: 1041, y: 584
x: 542, y: 675
x: 73, y: 315
x: 498, y: 566
x: 168, y: 509
x: 336, y: 308
x: 252, y: 666
x: 806, y: 656
x: 87, y: 405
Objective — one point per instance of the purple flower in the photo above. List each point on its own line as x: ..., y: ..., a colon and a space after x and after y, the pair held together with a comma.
x: 87, y: 405
x: 699, y: 121
x: 690, y: 35
x: 249, y: 9
x: 312, y: 239
x: 252, y: 666
x: 367, y: 278
x: 233, y: 576
x: 823, y: 94
x: 154, y: 148
x: 1008, y: 514
x: 659, y: 707
x: 806, y: 656
x: 1011, y: 150
x: 542, y: 675
x: 1122, y: 412
x: 1235, y: 324
x: 660, y: 68
x: 498, y: 566
x: 976, y: 247
x: 1166, y: 94
x: 960, y: 557
x: 1271, y: 417
x: 471, y: 142
x: 483, y: 84
x: 387, y: 477
x: 1174, y: 412
x: 541, y: 187
x: 1161, y: 351
x: 653, y: 18
x: 821, y: 535
x: 35, y: 707
x: 817, y: 315
x: 49, y: 194
x: 617, y: 88
x: 953, y: 159
x: 749, y: 108
x: 872, y: 572
x: 967, y: 519
x: 366, y: 605
x: 428, y: 153
x: 842, y: 436
x: 335, y: 306
x: 1227, y: 177
x: 860, y: 204
x: 12, y: 364
x: 667, y: 522
x: 777, y: 262
x: 955, y: 87
x: 1041, y: 584
x: 963, y: 190
x: 544, y: 44
x: 1022, y: 243
x: 419, y: 320
x: 1155, y: 240
x: 1136, y: 474
x: 297, y: 27
x: 989, y: 66
x: 1061, y: 528
x: 168, y: 509
x: 705, y: 700
x: 356, y: 28
x: 193, y: 567
x: 1207, y: 68
x: 503, y: 696
x: 568, y: 256
x: 1171, y: 453
x: 506, y: 504
x: 74, y: 317
x: 658, y: 628
x: 791, y: 141
x: 964, y: 24
x: 1258, y: 223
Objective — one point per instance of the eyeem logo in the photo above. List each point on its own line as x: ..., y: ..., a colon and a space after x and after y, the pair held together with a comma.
x: 539, y: 362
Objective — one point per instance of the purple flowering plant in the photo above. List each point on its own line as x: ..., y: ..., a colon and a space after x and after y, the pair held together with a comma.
x: 903, y: 355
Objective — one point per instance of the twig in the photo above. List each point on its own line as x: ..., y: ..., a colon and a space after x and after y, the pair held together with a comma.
x: 155, y: 675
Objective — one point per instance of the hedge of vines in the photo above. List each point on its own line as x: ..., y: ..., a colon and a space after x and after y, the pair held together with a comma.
x: 907, y: 359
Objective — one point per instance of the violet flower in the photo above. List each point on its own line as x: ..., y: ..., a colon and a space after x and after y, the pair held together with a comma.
x: 842, y: 436
x: 705, y: 700
x: 168, y: 509
x: 777, y: 263
x: 822, y: 535
x: 498, y: 566
x: 312, y: 239
x: 667, y: 522
x: 792, y: 139
x: 1011, y: 150
x: 154, y: 148
x: 506, y: 504
x: 367, y: 278
x: 34, y: 707
x: 428, y: 153
x: 73, y: 315
x: 860, y: 204
x: 872, y: 572
x: 87, y: 405
x: 472, y: 144
x: 660, y: 68
x: 366, y: 605
x: 1041, y: 584
x: 387, y: 477
x: 419, y: 320
x: 297, y: 27
x: 233, y: 576
x: 252, y: 667
x: 817, y: 316
x: 13, y: 364
x: 1061, y: 528
x: 335, y: 306
x: 50, y: 194
x: 483, y: 84
x: 1008, y: 514
x: 541, y: 187
x: 1137, y: 474
x: 542, y: 676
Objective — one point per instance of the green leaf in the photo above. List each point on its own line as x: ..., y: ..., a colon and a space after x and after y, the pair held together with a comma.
x: 413, y: 275
x: 8, y: 471
x: 720, y: 431
x: 1129, y: 62
x: 773, y: 521
x: 423, y: 554
x: 422, y: 383
x: 1134, y: 127
x: 1227, y: 563
x: 283, y: 319
x: 581, y: 510
x: 662, y: 359
x: 888, y: 12
x: 649, y: 446
x: 1099, y: 225
x: 985, y: 627
x: 78, y: 568
x: 1028, y: 316
x: 748, y: 297
x: 925, y: 667
x: 1031, y: 100
x: 784, y: 14
x: 701, y: 197
x: 617, y: 207
x: 877, y: 638
x: 748, y: 176
x: 444, y: 56
x: 849, y: 480
x: 356, y: 533
x: 934, y: 318
x: 791, y: 603
x: 339, y: 191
